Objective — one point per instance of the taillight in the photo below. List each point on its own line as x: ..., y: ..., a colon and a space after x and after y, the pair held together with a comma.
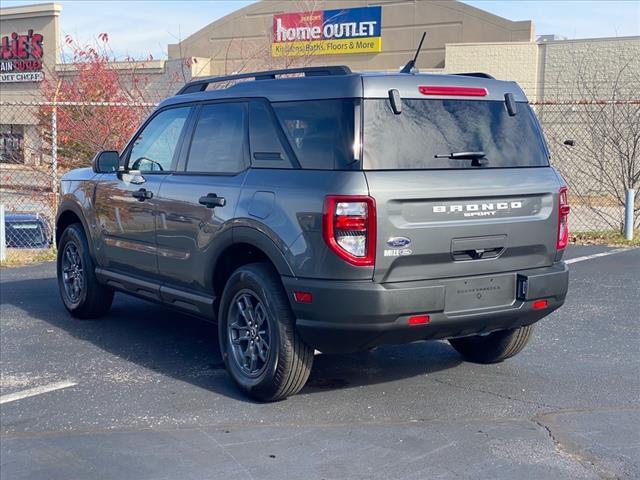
x: 303, y: 297
x: 453, y: 91
x: 540, y: 304
x: 418, y: 320
x: 563, y: 219
x: 349, y: 228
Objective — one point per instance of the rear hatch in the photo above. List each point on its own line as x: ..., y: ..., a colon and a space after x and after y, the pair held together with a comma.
x: 490, y: 210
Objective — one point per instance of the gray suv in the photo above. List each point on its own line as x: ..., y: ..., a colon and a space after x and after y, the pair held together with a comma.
x: 321, y: 209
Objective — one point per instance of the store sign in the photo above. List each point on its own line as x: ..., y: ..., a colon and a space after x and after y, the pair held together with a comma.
x: 327, y: 32
x: 21, y: 58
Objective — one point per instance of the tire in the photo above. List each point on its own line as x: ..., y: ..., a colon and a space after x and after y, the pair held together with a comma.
x: 495, y: 347
x: 76, y: 269
x: 282, y: 360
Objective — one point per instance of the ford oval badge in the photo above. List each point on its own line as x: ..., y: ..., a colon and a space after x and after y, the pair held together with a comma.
x: 399, y: 242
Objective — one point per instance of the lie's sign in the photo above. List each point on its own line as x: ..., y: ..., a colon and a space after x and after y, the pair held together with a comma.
x: 327, y: 32
x: 21, y: 57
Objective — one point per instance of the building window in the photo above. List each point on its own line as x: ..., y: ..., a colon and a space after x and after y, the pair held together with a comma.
x: 12, y: 144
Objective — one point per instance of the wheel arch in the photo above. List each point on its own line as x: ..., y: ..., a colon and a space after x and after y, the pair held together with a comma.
x: 69, y: 213
x: 248, y: 245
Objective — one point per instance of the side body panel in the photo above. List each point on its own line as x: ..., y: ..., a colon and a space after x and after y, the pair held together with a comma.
x: 77, y: 194
x: 189, y: 235
x: 286, y: 206
x: 293, y: 219
x: 126, y: 225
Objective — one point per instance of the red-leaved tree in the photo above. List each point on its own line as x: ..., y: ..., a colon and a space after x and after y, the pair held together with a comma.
x: 98, y: 102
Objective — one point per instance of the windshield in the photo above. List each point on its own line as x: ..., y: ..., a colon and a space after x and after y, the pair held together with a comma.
x: 428, y: 132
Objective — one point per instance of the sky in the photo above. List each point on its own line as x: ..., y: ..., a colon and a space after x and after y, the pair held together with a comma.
x: 140, y: 28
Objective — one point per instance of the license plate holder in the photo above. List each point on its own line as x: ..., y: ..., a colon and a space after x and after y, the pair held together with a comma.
x: 480, y: 293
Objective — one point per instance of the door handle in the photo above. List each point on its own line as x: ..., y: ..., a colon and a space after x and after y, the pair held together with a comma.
x: 212, y: 200
x: 142, y: 194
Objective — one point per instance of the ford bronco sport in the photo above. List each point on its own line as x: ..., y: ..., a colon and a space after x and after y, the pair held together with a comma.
x: 316, y: 208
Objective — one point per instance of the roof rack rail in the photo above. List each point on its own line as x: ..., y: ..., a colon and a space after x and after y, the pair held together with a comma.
x: 476, y: 74
x: 201, y: 84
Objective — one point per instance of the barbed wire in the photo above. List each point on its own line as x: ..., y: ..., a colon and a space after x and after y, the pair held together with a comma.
x: 75, y: 104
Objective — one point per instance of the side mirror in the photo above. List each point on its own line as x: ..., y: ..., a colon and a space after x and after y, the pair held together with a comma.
x: 106, y: 162
x: 569, y: 142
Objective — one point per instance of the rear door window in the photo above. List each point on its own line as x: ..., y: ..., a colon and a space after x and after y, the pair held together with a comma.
x: 426, y: 128
x: 267, y: 150
x: 321, y: 132
x: 219, y: 139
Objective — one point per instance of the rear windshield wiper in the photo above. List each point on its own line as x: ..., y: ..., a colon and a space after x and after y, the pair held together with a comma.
x: 478, y: 158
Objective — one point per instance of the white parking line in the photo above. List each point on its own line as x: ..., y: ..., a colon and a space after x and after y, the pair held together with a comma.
x: 31, y: 392
x: 597, y: 255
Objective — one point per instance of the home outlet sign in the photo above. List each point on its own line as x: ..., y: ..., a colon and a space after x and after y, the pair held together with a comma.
x: 327, y: 32
x: 21, y: 58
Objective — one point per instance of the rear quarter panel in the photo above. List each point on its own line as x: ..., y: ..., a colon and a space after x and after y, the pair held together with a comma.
x: 286, y: 205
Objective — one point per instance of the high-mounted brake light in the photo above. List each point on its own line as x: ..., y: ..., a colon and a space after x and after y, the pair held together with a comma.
x: 453, y: 91
x: 349, y: 228
x: 563, y: 219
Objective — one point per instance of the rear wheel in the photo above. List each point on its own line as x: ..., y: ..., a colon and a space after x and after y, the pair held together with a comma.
x: 261, y: 349
x: 80, y: 291
x: 494, y: 347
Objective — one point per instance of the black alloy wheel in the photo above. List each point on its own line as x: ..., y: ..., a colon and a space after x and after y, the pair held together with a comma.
x: 249, y: 334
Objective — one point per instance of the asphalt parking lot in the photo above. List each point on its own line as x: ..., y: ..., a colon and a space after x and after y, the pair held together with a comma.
x: 141, y: 394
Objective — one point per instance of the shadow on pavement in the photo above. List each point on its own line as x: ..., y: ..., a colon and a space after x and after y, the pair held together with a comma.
x: 186, y: 348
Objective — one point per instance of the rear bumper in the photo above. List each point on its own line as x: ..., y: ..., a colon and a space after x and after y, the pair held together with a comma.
x: 352, y: 315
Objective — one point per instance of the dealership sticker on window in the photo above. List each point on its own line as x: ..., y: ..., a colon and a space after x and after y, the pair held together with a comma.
x: 25, y: 226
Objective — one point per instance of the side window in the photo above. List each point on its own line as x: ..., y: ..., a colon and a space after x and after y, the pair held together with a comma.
x: 155, y: 146
x: 266, y: 149
x: 321, y: 132
x: 218, y: 144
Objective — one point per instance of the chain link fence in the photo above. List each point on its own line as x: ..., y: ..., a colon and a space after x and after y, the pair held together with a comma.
x: 595, y: 144
x: 40, y: 141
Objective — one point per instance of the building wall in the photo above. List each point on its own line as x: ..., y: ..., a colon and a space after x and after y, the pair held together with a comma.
x: 557, y: 70
x: 242, y: 39
x: 569, y: 68
x: 516, y: 61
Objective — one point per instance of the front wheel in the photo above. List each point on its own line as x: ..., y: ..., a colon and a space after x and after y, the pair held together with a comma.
x: 261, y: 349
x: 80, y: 291
x: 494, y: 347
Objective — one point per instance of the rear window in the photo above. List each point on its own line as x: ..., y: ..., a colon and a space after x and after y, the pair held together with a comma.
x: 320, y: 132
x: 426, y: 128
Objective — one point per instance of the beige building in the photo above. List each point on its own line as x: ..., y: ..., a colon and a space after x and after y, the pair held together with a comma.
x: 459, y: 38
x: 246, y: 34
x: 240, y: 41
